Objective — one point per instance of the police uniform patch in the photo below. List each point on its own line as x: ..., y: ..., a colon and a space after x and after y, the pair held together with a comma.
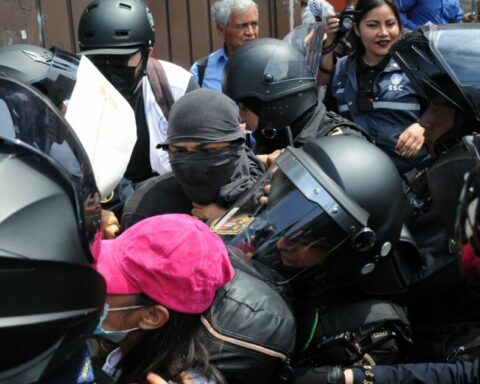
x: 232, y: 226
x: 395, y: 82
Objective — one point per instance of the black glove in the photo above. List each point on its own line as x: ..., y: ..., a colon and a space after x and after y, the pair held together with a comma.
x: 319, y: 375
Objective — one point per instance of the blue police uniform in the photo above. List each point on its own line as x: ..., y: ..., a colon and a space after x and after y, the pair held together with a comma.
x: 395, y: 105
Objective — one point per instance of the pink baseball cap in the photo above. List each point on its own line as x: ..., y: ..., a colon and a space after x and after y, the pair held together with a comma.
x: 174, y: 259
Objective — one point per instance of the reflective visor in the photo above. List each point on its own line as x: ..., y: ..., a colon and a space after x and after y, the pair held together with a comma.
x: 28, y: 119
x: 60, y: 80
x: 301, y: 209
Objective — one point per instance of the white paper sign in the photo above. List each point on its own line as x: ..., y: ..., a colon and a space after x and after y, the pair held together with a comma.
x: 105, y: 124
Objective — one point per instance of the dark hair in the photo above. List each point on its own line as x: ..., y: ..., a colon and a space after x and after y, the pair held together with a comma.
x: 168, y: 351
x: 361, y: 10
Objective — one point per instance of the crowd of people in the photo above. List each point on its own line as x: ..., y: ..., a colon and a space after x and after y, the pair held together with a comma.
x: 276, y: 223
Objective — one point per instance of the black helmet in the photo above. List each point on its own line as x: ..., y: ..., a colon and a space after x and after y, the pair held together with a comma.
x: 443, y: 62
x: 272, y: 79
x: 54, y: 72
x: 446, y: 176
x: 46, y: 131
x: 115, y: 27
x: 337, y: 193
x: 51, y: 296
x: 467, y: 218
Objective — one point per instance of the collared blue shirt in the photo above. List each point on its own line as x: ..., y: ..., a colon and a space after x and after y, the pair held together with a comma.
x: 214, y: 71
x: 415, y: 13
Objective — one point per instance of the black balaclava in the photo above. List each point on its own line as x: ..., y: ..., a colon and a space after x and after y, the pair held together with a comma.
x: 206, y: 116
x: 125, y: 79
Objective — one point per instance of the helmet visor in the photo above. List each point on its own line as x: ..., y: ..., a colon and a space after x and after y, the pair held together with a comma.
x: 308, y: 40
x: 459, y: 50
x: 29, y: 119
x: 301, y: 211
x: 61, y: 77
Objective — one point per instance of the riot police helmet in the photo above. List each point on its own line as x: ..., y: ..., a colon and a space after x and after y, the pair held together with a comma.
x: 272, y: 79
x: 337, y: 194
x: 51, y: 296
x: 115, y: 27
x: 52, y: 71
x: 443, y: 62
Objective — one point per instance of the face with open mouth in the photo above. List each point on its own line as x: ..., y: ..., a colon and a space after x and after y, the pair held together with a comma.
x: 378, y: 31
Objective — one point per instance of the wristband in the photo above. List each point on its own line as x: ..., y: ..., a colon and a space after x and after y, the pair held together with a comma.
x: 329, y: 48
x: 369, y: 377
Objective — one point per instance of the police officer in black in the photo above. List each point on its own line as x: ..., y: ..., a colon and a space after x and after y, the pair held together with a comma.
x: 271, y: 78
x: 331, y: 227
x: 50, y: 212
x: 443, y: 63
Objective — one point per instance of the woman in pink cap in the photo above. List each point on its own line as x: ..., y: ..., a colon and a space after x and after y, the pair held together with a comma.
x: 161, y: 274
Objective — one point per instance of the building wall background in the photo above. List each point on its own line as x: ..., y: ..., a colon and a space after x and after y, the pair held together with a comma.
x: 184, y: 31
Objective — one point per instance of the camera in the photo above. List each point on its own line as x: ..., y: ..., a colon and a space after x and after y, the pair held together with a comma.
x: 346, y: 20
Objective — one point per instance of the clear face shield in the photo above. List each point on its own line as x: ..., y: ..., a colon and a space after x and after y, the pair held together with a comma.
x: 459, y: 50
x: 308, y: 40
x: 444, y: 64
x: 307, y: 217
x: 27, y: 118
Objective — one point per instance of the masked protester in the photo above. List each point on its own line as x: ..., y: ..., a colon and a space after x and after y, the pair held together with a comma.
x: 161, y: 274
x: 272, y: 79
x: 118, y: 37
x: 50, y: 214
x: 211, y: 165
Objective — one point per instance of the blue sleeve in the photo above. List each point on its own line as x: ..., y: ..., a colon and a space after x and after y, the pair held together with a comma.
x: 462, y: 372
x: 404, y: 6
x: 459, y: 15
x: 194, y: 71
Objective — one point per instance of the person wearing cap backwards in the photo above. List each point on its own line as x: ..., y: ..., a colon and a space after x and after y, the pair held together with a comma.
x: 161, y: 274
x: 211, y: 165
x: 118, y: 37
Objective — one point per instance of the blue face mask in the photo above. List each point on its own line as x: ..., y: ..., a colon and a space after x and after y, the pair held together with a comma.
x: 115, y: 336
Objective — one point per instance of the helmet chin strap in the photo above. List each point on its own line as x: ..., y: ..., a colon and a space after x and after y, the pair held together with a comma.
x: 144, y: 59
